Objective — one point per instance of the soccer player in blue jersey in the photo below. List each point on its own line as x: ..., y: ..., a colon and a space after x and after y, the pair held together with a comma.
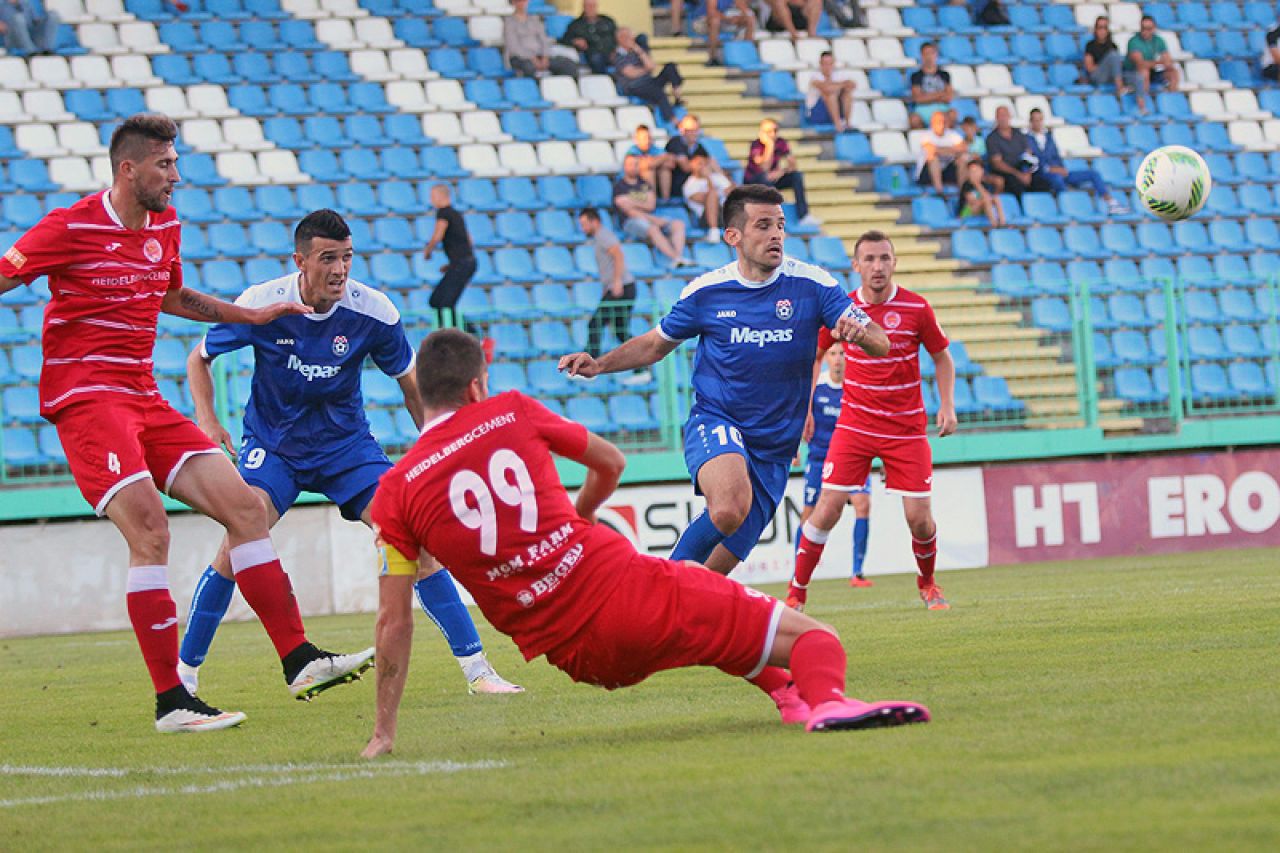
x: 825, y: 409
x: 305, y: 428
x: 757, y: 322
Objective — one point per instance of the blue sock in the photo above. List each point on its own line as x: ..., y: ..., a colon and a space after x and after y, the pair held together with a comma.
x: 440, y: 601
x: 208, y: 606
x: 699, y: 539
x: 861, y: 531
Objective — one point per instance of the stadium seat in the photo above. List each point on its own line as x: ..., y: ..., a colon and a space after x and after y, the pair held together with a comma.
x: 1051, y: 313
x: 1134, y: 385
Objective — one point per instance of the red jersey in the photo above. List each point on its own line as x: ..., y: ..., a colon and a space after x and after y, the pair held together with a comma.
x: 107, y: 283
x: 882, y: 396
x: 480, y: 493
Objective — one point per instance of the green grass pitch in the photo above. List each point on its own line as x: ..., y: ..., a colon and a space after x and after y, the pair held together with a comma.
x: 1108, y: 705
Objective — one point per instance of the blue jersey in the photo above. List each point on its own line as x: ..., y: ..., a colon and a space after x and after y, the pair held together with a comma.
x: 826, y: 410
x: 756, y: 345
x: 305, y: 400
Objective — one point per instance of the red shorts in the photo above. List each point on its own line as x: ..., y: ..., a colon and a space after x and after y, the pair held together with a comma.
x: 908, y: 463
x: 112, y: 443
x: 665, y: 615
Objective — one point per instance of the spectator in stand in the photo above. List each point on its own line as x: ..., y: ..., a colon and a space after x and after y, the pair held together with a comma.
x: 931, y: 90
x: 527, y: 47
x: 976, y: 199
x: 635, y: 201
x: 736, y: 14
x: 1271, y: 55
x: 1103, y: 63
x: 451, y: 233
x: 792, y: 16
x: 941, y: 156
x: 639, y: 77
x: 656, y: 164
x: 770, y: 162
x: 829, y: 99
x: 977, y: 147
x: 990, y: 13
x: 1009, y: 154
x: 27, y: 28
x: 682, y: 149
x: 1149, y: 62
x: 594, y: 36
x: 619, y: 296
x: 1055, y: 170
x: 705, y: 192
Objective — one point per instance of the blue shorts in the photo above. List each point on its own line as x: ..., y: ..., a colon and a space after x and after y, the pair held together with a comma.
x: 813, y: 480
x: 348, y: 478
x: 705, y: 438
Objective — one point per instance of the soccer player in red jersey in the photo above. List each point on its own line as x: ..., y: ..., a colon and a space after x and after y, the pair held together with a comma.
x: 479, y: 492
x: 883, y: 415
x: 114, y: 262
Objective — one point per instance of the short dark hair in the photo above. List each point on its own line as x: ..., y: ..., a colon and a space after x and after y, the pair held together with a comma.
x: 590, y: 213
x: 1100, y: 19
x: 827, y: 53
x: 968, y: 120
x: 872, y: 236
x: 1146, y: 18
x: 931, y: 44
x: 325, y: 223
x: 643, y: 127
x: 1036, y: 111
x: 133, y: 138
x: 448, y: 360
x: 735, y: 206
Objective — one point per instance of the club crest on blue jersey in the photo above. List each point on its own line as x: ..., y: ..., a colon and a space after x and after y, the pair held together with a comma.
x: 783, y: 309
x: 340, y: 345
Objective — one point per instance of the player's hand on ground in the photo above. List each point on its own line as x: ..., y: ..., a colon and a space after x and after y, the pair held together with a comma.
x: 947, y: 422
x: 218, y: 435
x: 378, y: 745
x: 275, y: 311
x: 580, y: 364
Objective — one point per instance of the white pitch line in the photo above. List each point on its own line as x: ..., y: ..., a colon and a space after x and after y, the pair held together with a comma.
x: 305, y: 776
x: 40, y: 770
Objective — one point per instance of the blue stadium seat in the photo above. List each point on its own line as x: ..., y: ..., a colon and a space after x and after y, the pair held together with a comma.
x: 1209, y: 383
x: 1238, y: 306
x: 1248, y: 380
x: 363, y: 165
x: 332, y: 67
x: 482, y: 231
x: 325, y: 131
x: 294, y: 66
x: 551, y: 337
x: 401, y: 162
x: 1263, y: 233
x: 1205, y: 343
x: 506, y: 375
x: 442, y: 160
x: 370, y: 98
x: 329, y: 97
x: 780, y: 86
x: 214, y: 68
x: 20, y: 448
x: 1011, y: 280
x: 222, y: 36
x: 1213, y: 136
x: 1010, y: 245
x: 591, y: 413
x: 1130, y: 348
x: 558, y: 191
x: 992, y: 393
x: 260, y: 35
x: 1133, y: 385
x: 1041, y: 243
x: 286, y: 132
x: 523, y: 126
x: 236, y: 203
x: 520, y: 194
x: 639, y: 260
x: 316, y: 196
x: 395, y: 233
x: 21, y: 211
x: 563, y: 125
x: 1202, y: 307
x: 487, y: 63
x: 957, y: 48
x: 891, y: 82
x: 195, y: 247
x: 1155, y: 237
x: 829, y: 253
x: 556, y: 226
x: 21, y: 404
x: 1120, y: 274
x: 228, y: 239
x: 933, y: 212
x: 291, y: 99
x: 487, y: 94
x: 403, y: 129
x: 516, y: 228
x: 1082, y: 241
x: 1243, y: 342
x: 271, y: 237
x: 969, y: 245
x: 32, y: 176
x: 415, y: 32
x: 743, y: 56
x: 479, y: 194
x: 1127, y: 310
x: 360, y: 199
x: 453, y: 32
x: 449, y: 62
x: 515, y: 265
x: 400, y: 197
x: 632, y: 412
x: 855, y: 148
x: 555, y: 263
x: 1111, y: 140
x: 263, y: 269
x: 1051, y: 313
x: 524, y: 93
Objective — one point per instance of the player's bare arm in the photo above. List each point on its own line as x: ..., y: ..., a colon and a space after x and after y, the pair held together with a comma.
x: 412, y: 399
x: 7, y: 284
x: 604, y: 463
x: 946, y: 369
x: 194, y: 305
x: 807, y: 435
x: 641, y: 351
x: 862, y: 332
x: 200, y: 383
x: 393, y: 638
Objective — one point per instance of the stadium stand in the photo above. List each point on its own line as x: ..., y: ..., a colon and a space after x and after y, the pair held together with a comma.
x: 289, y: 105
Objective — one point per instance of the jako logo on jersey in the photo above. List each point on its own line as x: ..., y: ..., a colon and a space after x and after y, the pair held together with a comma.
x: 284, y: 342
x: 313, y: 371
x: 759, y: 337
x: 783, y: 309
x: 340, y: 345
x: 729, y: 313
x: 892, y: 320
x: 152, y: 250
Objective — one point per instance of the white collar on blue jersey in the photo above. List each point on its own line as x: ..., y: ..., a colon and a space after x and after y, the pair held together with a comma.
x: 740, y: 279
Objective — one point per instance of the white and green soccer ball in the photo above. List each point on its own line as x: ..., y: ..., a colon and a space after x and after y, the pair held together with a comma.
x: 1173, y: 182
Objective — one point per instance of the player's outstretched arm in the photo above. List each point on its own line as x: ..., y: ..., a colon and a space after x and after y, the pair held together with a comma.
x: 194, y: 305
x: 393, y: 638
x: 870, y: 338
x: 412, y: 398
x: 946, y: 369
x: 7, y: 284
x: 200, y: 383
x: 642, y: 351
x: 604, y: 462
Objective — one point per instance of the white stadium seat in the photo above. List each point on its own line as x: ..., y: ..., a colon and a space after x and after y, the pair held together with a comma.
x: 140, y: 37
x: 1124, y: 16
x: 1203, y: 74
x: 887, y: 53
x: 601, y: 91
x: 134, y: 71
x: 306, y: 9
x: 599, y: 122
x: 483, y: 126
x: 240, y: 167
x: 892, y: 146
x: 597, y: 156
x: 445, y: 128
x: 111, y: 11
x: 245, y: 133
x: 210, y: 101
x: 997, y: 80
x: 39, y: 140
x: 493, y: 7
x: 862, y: 118
x: 1271, y: 130
x: 890, y: 113
x: 45, y: 105
x: 15, y: 74
x: 281, y: 167
x: 205, y: 134
x: 965, y: 81
x: 1024, y: 104
x: 1243, y: 103
x: 100, y: 38
x: 1209, y: 105
x: 851, y: 53
x: 75, y: 175
x: 93, y: 72
x: 101, y: 167
x: 1248, y: 134
x: 559, y: 158
x: 376, y: 32
x: 987, y: 108
x: 170, y: 100
x: 809, y: 51
x: 886, y: 21
x: 779, y: 53
x: 11, y: 111
x: 343, y: 9
x: 521, y: 159
x: 563, y: 92
x: 407, y: 95
x: 373, y: 65
x: 81, y: 138
x: 1087, y: 13
x: 52, y: 72
x: 1074, y: 142
x: 337, y: 33
x: 1175, y: 47
x: 409, y: 63
x: 629, y: 118
x: 481, y: 161
x: 71, y: 11
x: 447, y: 95
x: 486, y: 29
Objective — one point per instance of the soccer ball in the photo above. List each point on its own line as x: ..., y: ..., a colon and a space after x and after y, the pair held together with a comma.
x: 1173, y: 182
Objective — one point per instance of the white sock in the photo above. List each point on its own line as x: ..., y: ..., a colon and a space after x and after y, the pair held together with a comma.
x: 473, y: 666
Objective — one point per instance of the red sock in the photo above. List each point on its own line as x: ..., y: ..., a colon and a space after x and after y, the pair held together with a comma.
x: 809, y: 552
x: 154, y: 617
x: 266, y: 587
x: 817, y: 665
x: 926, y: 553
x: 771, y: 678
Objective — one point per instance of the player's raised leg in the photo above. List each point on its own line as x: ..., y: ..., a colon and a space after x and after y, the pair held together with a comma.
x: 211, y: 485
x: 137, y: 512
x: 726, y: 484
x: 924, y: 547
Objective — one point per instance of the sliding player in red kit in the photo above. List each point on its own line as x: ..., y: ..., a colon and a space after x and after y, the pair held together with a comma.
x: 114, y: 263
x: 480, y: 493
x: 883, y: 415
